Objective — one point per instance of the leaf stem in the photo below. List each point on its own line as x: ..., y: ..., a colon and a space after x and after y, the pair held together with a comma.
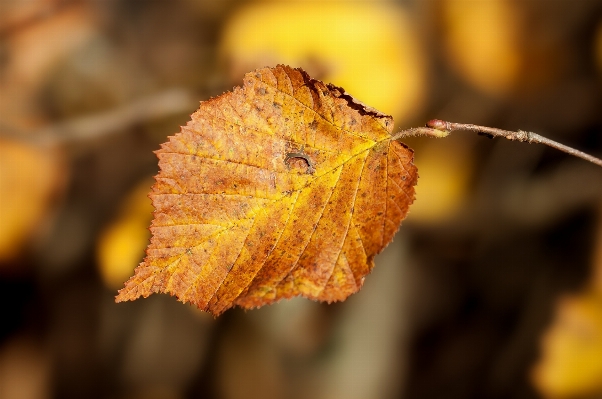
x: 438, y: 128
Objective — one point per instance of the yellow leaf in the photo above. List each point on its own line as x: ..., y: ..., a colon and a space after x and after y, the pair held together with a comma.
x: 283, y: 187
x: 369, y: 48
x: 597, y: 267
x: 445, y: 170
x: 571, y: 363
x: 30, y: 178
x: 494, y: 47
x: 121, y: 244
x: 481, y: 42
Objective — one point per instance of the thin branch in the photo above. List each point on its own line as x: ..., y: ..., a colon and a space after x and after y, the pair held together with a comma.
x: 88, y: 128
x: 438, y: 128
x: 164, y: 104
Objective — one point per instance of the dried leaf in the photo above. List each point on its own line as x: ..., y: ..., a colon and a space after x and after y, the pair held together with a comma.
x: 284, y: 187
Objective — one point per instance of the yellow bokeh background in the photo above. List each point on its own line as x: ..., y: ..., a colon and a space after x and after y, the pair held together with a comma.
x: 368, y: 48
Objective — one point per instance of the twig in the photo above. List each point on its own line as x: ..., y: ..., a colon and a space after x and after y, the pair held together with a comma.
x: 438, y: 128
x: 84, y: 129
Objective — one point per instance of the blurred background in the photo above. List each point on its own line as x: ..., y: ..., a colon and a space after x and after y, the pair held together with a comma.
x: 491, y: 289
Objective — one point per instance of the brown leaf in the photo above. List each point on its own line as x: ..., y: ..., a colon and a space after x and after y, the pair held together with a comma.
x: 283, y: 187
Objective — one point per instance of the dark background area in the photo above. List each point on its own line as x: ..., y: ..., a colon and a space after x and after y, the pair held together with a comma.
x: 492, y: 287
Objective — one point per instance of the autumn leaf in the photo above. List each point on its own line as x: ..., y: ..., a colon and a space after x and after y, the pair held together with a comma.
x: 379, y: 60
x: 121, y: 243
x: 31, y: 180
x: 283, y: 187
x: 571, y: 363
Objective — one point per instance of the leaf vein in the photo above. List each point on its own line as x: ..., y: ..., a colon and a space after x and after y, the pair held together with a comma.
x: 348, y: 225
x: 294, y: 266
x: 252, y: 280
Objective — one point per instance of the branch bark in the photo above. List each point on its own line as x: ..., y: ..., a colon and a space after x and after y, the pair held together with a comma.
x: 88, y: 128
x: 438, y: 128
